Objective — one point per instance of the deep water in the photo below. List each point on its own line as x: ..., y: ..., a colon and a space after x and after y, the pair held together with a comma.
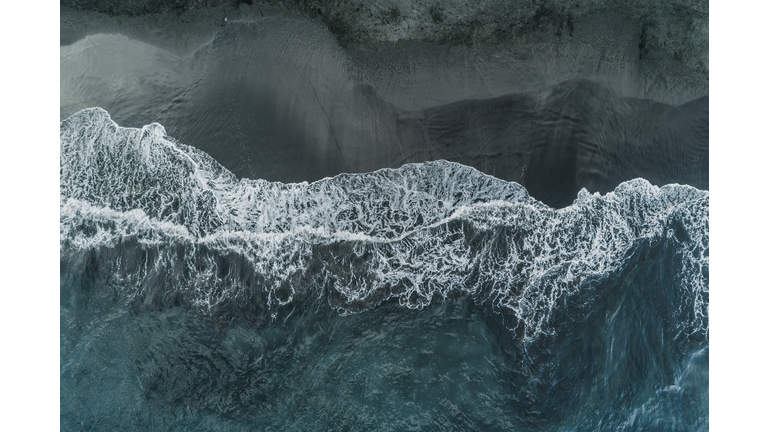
x: 614, y: 362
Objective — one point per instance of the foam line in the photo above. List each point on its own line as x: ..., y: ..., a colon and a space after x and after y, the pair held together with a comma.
x: 417, y: 233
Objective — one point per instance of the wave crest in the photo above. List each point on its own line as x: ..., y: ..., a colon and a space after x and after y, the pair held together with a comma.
x: 420, y: 232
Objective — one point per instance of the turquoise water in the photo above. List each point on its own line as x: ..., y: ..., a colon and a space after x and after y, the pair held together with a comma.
x: 391, y: 368
x: 613, y: 364
x: 428, y: 297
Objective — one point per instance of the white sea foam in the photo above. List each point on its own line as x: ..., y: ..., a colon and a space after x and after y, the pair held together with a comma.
x: 413, y: 233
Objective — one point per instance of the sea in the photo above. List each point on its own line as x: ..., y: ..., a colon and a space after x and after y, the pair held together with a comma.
x: 428, y: 297
x: 369, y: 264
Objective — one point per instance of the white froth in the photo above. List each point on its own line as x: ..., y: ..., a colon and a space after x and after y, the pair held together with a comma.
x: 420, y: 231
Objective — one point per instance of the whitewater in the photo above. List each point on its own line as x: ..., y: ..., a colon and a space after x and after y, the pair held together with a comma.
x: 603, y: 303
x: 413, y: 233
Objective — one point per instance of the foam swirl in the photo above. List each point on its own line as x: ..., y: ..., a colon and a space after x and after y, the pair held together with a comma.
x: 417, y: 233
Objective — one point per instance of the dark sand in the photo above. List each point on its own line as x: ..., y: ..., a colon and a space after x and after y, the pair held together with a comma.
x: 277, y: 97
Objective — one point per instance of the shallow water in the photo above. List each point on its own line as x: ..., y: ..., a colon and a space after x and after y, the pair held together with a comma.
x: 278, y: 98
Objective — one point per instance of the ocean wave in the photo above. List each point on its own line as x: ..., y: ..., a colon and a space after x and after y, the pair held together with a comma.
x: 430, y: 231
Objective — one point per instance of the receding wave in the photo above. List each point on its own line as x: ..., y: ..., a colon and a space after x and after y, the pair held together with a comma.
x: 421, y: 233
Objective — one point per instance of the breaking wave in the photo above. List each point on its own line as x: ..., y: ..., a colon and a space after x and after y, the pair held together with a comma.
x: 181, y: 228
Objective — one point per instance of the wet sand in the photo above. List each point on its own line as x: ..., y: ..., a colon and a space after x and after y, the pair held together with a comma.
x: 277, y: 97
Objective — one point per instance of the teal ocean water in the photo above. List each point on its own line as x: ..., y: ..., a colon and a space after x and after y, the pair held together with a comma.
x: 428, y: 297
